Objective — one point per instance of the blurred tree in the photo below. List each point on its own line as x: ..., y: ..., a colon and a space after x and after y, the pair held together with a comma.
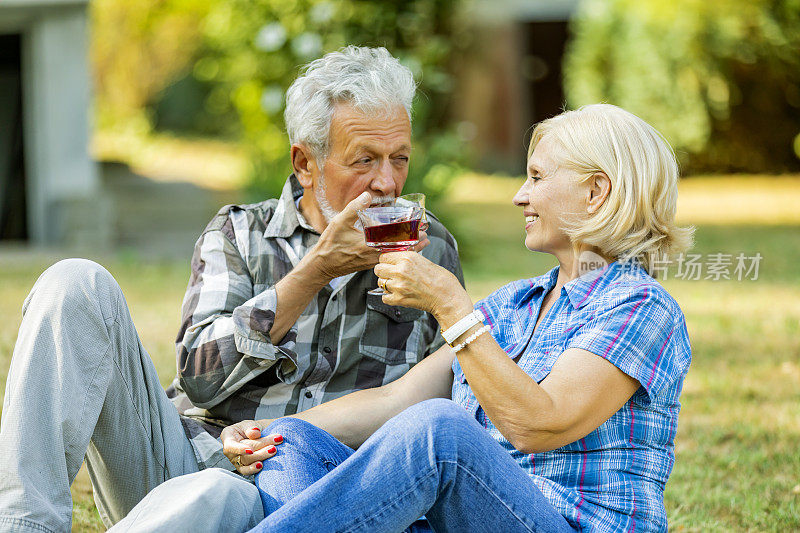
x: 253, y: 50
x: 721, y: 80
x: 137, y: 49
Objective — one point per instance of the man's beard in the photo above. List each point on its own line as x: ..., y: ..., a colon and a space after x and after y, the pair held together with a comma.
x: 322, y: 200
x: 327, y: 209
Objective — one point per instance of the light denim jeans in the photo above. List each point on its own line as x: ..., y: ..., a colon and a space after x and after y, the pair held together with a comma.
x: 82, y: 385
x: 432, y: 459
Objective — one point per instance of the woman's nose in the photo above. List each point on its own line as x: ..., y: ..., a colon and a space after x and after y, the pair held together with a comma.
x: 523, y: 196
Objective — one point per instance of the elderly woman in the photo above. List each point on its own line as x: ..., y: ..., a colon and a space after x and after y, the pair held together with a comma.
x: 554, y: 405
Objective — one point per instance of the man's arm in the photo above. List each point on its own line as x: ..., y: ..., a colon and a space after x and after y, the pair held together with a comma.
x: 354, y: 417
x: 229, y: 334
x: 340, y: 250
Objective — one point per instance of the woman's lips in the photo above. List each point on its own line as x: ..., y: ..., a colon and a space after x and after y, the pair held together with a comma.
x: 530, y: 219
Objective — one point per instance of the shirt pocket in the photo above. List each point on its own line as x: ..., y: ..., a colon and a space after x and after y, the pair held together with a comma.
x: 392, y: 335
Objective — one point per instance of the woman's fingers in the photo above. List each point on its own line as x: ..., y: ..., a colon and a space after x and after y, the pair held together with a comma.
x: 255, y: 452
x: 253, y: 464
x: 393, y: 258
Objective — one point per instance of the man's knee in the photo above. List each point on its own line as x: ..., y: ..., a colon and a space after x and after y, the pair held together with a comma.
x: 219, y: 484
x: 209, y: 500
x: 73, y: 282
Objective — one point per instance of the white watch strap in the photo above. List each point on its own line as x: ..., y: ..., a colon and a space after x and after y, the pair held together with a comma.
x: 459, y: 328
x: 458, y: 347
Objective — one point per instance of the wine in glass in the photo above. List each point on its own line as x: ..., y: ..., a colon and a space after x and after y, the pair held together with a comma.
x: 414, y: 199
x: 391, y: 229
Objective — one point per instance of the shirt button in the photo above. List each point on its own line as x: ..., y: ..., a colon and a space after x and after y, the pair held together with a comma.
x: 308, y: 394
x: 327, y: 349
x: 397, y: 313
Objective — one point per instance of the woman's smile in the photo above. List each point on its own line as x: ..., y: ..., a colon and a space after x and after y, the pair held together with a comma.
x: 530, y: 219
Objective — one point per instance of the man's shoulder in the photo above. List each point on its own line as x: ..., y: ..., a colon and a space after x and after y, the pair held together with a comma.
x: 257, y: 216
x: 439, y: 234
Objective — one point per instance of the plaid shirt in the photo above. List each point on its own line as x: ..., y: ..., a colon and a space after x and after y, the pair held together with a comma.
x: 345, y: 340
x: 612, y: 479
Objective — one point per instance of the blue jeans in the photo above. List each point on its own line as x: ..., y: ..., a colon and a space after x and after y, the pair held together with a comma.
x: 432, y: 459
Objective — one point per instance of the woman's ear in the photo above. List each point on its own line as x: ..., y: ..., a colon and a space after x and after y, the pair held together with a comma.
x: 303, y: 164
x: 599, y: 189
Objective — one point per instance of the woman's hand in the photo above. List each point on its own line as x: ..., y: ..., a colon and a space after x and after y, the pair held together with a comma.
x: 245, y: 448
x: 410, y: 280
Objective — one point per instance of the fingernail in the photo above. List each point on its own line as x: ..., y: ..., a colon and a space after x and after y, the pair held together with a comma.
x: 259, y: 465
x: 256, y: 429
x: 249, y: 452
x: 272, y: 449
x: 277, y: 439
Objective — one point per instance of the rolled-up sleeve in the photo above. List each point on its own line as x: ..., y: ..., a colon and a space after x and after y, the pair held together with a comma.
x: 224, y: 338
x: 633, y: 332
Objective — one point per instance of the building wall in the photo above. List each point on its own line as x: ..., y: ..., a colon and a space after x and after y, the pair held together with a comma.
x: 65, y: 203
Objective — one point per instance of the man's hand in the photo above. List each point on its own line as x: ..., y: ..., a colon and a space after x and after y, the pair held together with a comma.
x: 245, y: 448
x: 341, y: 248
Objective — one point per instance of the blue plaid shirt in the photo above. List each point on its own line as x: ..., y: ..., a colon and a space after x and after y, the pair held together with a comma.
x: 612, y: 479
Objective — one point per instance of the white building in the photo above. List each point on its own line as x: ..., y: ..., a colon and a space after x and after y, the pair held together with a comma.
x: 50, y: 191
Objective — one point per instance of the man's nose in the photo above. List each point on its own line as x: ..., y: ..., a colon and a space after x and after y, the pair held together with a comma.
x: 383, y: 180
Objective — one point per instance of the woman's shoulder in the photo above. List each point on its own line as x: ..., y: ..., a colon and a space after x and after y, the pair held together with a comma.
x: 637, y: 288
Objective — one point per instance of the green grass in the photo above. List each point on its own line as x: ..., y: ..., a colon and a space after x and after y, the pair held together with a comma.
x: 737, y: 462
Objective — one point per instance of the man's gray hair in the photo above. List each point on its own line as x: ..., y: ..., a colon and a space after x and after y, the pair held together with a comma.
x: 369, y: 79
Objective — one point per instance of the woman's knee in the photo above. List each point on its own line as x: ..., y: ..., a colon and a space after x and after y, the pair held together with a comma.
x: 301, y: 437
x: 439, y: 417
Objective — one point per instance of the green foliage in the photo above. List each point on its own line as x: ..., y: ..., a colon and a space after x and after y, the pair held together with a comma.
x: 138, y: 49
x: 721, y: 80
x: 254, y: 48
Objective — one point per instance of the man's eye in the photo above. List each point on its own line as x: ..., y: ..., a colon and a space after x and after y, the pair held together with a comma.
x: 364, y: 160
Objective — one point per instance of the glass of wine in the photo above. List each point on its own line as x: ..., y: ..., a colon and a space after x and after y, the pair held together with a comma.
x: 391, y: 229
x: 414, y: 199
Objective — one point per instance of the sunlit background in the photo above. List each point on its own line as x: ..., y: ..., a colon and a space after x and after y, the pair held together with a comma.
x: 124, y: 125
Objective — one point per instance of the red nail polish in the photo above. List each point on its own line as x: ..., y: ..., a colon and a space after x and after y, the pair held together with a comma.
x: 272, y: 449
x: 258, y: 465
x: 277, y: 439
x: 256, y: 429
x: 249, y: 452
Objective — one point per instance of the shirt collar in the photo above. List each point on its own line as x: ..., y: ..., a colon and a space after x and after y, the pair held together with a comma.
x: 581, y: 290
x: 286, y: 217
x: 543, y: 283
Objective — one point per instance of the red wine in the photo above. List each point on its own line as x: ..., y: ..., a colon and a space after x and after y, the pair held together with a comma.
x: 397, y: 235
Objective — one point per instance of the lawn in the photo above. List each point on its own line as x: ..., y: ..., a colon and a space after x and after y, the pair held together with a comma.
x: 737, y: 466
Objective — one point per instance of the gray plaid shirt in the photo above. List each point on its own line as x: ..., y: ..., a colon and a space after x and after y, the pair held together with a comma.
x: 345, y: 340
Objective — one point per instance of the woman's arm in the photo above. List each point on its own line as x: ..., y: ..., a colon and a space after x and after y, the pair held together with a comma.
x: 580, y: 393
x: 351, y: 418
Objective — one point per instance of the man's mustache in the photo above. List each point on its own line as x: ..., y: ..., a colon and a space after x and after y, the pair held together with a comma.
x: 381, y: 201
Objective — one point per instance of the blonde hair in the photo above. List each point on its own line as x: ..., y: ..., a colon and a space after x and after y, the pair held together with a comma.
x: 637, y: 219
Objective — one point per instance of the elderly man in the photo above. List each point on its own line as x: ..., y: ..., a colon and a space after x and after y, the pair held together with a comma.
x: 276, y: 318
